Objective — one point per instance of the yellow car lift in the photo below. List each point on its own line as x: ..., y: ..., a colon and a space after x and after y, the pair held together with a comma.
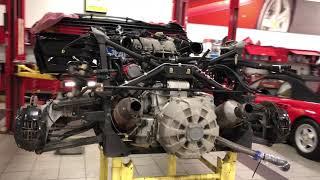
x: 122, y: 169
x: 27, y: 72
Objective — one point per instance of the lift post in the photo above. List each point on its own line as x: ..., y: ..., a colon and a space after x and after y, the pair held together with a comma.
x: 233, y: 19
x: 15, y: 52
x: 179, y: 12
x: 121, y: 168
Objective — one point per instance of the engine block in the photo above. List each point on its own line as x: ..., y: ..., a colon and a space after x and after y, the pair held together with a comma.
x: 143, y: 88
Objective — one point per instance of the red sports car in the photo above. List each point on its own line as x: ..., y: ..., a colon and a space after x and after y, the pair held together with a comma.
x: 301, y: 99
x: 270, y: 15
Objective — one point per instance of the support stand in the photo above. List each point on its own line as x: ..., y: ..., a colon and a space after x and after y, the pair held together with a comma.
x: 121, y: 168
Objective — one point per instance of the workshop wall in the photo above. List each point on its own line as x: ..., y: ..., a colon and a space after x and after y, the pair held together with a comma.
x: 161, y: 11
x: 267, y: 38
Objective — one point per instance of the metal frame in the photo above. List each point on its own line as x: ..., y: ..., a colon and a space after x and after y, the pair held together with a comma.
x: 233, y: 21
x: 179, y: 15
x: 120, y: 168
x: 179, y: 12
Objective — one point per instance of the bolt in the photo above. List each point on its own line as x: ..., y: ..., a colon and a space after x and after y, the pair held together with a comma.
x: 125, y: 160
x: 171, y: 70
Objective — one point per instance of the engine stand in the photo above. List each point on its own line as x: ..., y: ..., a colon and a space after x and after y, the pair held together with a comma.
x: 121, y: 168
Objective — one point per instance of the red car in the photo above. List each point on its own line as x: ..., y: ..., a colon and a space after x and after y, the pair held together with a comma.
x: 301, y: 99
x: 270, y: 15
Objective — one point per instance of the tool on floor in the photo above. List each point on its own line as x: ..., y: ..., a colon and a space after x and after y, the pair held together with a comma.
x: 257, y: 155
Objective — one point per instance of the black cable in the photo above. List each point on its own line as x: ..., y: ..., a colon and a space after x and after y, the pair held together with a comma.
x: 257, y: 166
x: 73, y: 41
x: 238, y: 78
x: 222, y: 57
x: 204, y: 55
x: 211, y: 82
x: 48, y: 113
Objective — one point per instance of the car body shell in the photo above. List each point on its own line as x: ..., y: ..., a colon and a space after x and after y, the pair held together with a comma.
x: 296, y: 109
x: 216, y: 12
x: 303, y: 103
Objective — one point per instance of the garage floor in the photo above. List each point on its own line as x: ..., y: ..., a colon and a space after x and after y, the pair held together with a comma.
x: 16, y: 164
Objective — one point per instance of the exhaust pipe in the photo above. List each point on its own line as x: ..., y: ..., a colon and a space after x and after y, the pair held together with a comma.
x: 231, y: 113
x: 196, y: 48
x: 126, y: 113
x: 127, y: 42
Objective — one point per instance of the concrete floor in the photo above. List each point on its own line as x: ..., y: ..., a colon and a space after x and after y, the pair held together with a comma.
x: 17, y: 164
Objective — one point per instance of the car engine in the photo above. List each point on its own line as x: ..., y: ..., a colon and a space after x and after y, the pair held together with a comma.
x: 143, y: 88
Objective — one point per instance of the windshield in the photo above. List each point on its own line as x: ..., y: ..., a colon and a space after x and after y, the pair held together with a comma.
x: 273, y: 87
x: 313, y: 86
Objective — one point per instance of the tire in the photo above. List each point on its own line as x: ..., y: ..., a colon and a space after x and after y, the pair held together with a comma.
x: 264, y: 15
x: 313, y: 129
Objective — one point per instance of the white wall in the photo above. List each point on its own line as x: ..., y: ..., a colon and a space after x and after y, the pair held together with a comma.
x: 35, y: 9
x: 160, y: 11
x: 197, y: 32
x: 2, y: 11
x: 147, y: 10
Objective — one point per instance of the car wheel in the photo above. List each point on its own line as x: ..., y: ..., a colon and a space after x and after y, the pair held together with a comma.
x: 306, y: 138
x: 275, y: 15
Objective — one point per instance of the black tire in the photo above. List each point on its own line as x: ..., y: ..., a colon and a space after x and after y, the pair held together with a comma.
x: 265, y: 8
x: 314, y: 154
